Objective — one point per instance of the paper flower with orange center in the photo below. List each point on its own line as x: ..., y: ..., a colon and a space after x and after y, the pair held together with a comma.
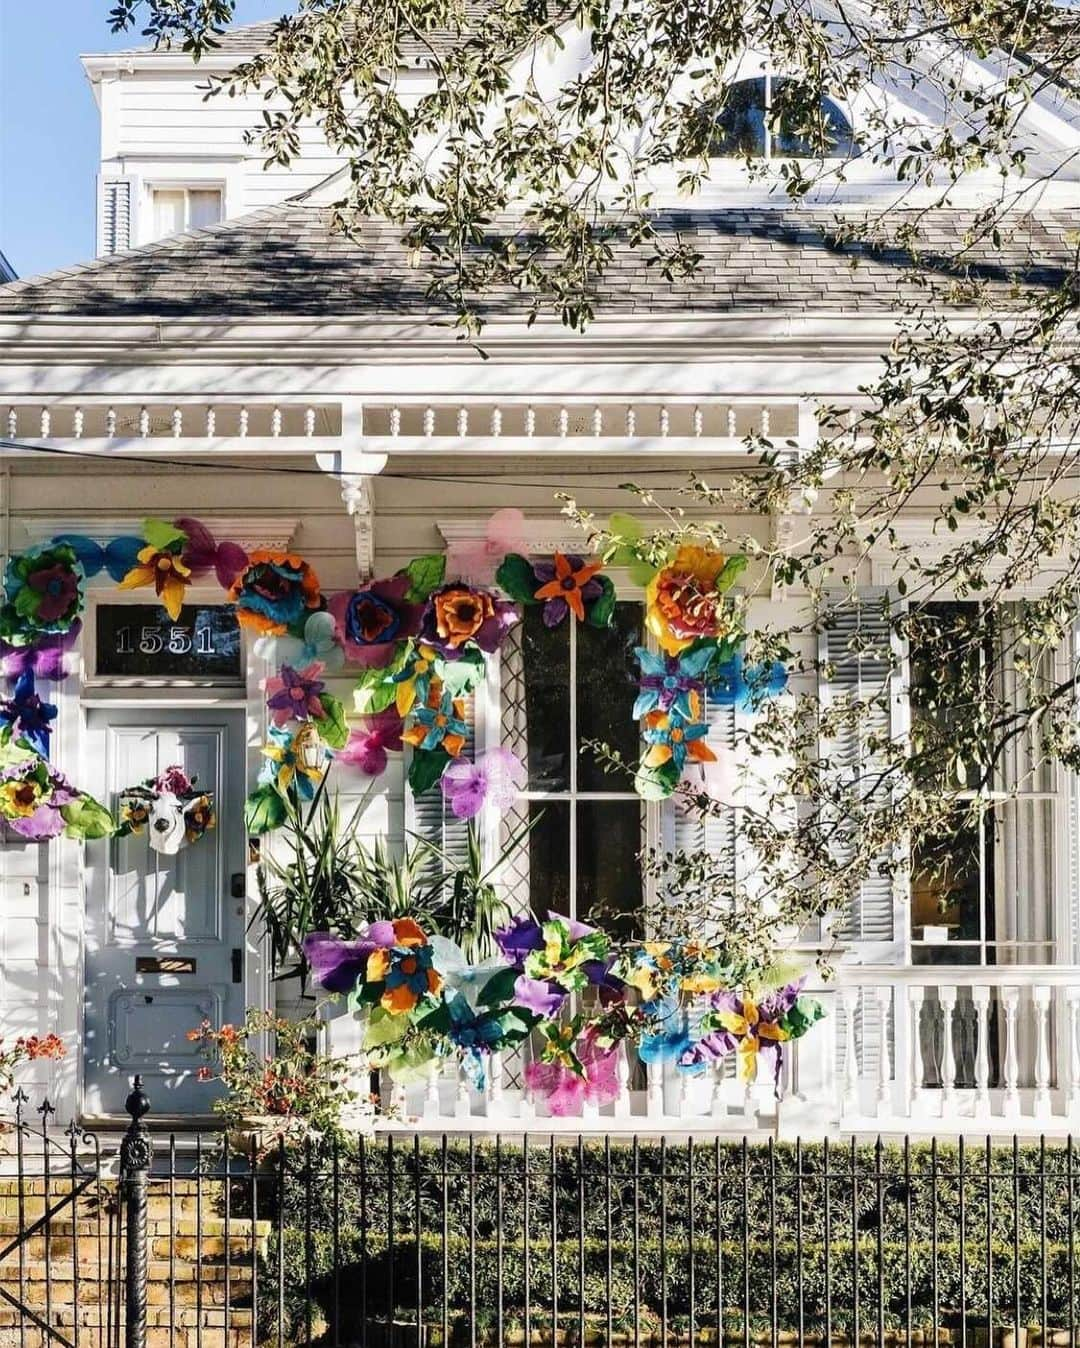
x: 439, y: 725
x: 672, y: 739
x: 166, y: 572
x: 682, y: 601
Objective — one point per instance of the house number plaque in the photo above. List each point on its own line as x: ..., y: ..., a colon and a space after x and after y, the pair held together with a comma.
x: 141, y: 640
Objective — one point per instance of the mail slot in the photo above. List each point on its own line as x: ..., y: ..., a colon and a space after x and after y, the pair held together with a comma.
x: 163, y: 964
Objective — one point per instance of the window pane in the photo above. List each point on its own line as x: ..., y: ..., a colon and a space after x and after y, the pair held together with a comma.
x: 549, y: 857
x: 795, y: 139
x: 740, y: 124
x: 607, y: 685
x: 608, y: 873
x: 545, y: 656
x: 945, y: 891
x: 204, y: 207
x: 168, y: 212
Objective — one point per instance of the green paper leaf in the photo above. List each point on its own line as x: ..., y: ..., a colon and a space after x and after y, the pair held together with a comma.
x: 733, y: 569
x: 656, y: 783
x: 383, y: 1028
x: 163, y: 536
x: 601, y: 612
x: 498, y: 988
x: 432, y: 1017
x: 806, y: 1012
x: 462, y: 676
x: 264, y: 810
x: 516, y: 579
x: 333, y: 728
x: 427, y: 766
x: 375, y: 689
x: 627, y: 527
x: 425, y: 574
x: 87, y: 818
x: 642, y: 573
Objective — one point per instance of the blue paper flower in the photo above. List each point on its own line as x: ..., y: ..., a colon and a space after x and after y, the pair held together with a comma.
x: 24, y: 716
x: 732, y: 683
x: 670, y: 682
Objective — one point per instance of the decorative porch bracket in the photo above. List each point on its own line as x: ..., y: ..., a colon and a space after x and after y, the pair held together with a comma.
x: 356, y: 471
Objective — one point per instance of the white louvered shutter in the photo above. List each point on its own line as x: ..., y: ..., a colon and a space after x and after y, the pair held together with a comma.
x: 429, y: 816
x: 856, y: 651
x: 116, y: 197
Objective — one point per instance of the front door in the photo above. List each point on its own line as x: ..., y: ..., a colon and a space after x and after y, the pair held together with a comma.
x: 164, y: 934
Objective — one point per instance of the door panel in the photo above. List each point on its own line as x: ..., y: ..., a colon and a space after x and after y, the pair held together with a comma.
x: 161, y: 930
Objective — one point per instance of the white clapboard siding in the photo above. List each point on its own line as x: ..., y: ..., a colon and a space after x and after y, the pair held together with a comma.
x: 116, y: 198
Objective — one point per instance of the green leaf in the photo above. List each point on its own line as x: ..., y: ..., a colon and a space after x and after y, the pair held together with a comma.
x: 642, y: 573
x: 498, y: 988
x: 427, y: 766
x: 163, y: 536
x: 656, y: 783
x: 462, y: 676
x: 425, y: 574
x: 333, y: 727
x: 733, y: 569
x: 601, y: 612
x: 384, y: 1028
x: 87, y: 818
x: 627, y: 527
x: 516, y: 579
x: 264, y: 810
x: 375, y: 688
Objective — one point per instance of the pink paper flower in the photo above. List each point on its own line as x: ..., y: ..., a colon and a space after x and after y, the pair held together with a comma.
x: 495, y: 778
x: 476, y: 559
x: 368, y: 746
x: 295, y: 695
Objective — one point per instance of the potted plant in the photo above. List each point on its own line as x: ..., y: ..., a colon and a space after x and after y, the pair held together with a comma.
x: 280, y: 1096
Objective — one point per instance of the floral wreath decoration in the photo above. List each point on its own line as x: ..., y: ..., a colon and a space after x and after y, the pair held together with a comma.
x: 421, y: 1004
x: 170, y: 807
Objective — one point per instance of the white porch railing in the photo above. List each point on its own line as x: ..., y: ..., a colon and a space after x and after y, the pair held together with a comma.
x: 911, y: 1050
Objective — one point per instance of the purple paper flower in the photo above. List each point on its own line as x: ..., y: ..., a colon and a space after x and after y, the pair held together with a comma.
x: 539, y: 996
x: 337, y: 965
x: 494, y: 779
x: 295, y: 695
x: 370, y: 622
x: 459, y: 616
x: 45, y: 658
x: 519, y: 939
x: 368, y: 746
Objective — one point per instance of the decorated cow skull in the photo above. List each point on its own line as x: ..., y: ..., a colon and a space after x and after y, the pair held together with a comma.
x: 170, y: 808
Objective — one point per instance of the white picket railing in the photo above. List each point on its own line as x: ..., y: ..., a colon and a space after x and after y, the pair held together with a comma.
x: 914, y: 1050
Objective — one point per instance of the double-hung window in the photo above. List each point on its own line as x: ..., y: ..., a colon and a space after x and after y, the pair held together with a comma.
x: 180, y: 208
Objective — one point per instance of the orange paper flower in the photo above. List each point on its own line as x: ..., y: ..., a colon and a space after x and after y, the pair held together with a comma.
x: 568, y: 583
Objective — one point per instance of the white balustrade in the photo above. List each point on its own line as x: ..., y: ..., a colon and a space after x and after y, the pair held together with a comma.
x: 980, y: 997
x: 1072, y: 1069
x: 884, y: 1083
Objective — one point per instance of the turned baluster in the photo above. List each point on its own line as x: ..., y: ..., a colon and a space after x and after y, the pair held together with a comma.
x: 947, y: 1000
x: 1040, y: 999
x: 884, y: 1082
x: 1010, y: 1001
x: 494, y: 1102
x: 849, y: 1099
x: 915, y: 998
x: 1072, y: 1014
x: 980, y: 997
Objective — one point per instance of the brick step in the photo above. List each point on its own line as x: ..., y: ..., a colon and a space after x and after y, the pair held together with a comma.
x: 203, y: 1248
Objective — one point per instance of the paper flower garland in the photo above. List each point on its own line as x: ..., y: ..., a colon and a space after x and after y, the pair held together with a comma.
x: 566, y: 584
x: 477, y: 560
x: 37, y: 802
x: 461, y: 617
x: 170, y: 807
x: 317, y: 643
x: 48, y: 658
x: 44, y: 594
x: 275, y: 593
x: 25, y: 718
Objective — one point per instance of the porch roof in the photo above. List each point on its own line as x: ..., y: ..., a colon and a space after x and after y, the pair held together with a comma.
x: 288, y: 261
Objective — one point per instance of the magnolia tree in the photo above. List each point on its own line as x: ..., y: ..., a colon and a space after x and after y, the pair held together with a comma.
x: 537, y: 142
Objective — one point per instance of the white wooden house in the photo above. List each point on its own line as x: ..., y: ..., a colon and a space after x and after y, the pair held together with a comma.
x: 228, y: 356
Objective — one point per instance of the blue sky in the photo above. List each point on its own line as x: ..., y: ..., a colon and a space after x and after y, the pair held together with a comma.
x: 49, y: 126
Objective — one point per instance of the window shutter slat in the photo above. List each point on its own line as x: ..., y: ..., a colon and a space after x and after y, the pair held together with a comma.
x: 714, y: 834
x: 115, y: 223
x: 855, y: 650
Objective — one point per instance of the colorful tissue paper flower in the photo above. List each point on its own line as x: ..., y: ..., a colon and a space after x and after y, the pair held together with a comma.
x: 495, y: 779
x: 459, y: 975
x: 295, y: 759
x: 370, y: 743
x: 337, y: 965
x: 457, y: 616
x: 370, y: 622
x: 317, y: 643
x: 732, y: 684
x: 408, y: 975
x: 573, y: 955
x: 541, y: 996
x: 755, y: 1029
x: 166, y: 571
x: 439, y: 725
x: 37, y: 802
x: 274, y: 593
x: 413, y: 680
x: 296, y: 695
x: 672, y: 682
x: 51, y: 656
x: 567, y: 584
x: 44, y: 594
x: 683, y: 602
x: 520, y: 939
x: 173, y: 781
x: 569, y: 1075
x: 202, y: 552
x: 475, y: 560
x: 673, y: 740
x: 24, y: 716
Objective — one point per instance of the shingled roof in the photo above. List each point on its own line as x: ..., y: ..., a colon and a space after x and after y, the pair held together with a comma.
x: 288, y: 260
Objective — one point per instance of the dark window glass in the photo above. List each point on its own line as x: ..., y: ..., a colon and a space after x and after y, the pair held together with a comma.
x: 743, y: 125
x: 549, y: 857
x: 609, y: 876
x: 607, y: 685
x: 545, y: 654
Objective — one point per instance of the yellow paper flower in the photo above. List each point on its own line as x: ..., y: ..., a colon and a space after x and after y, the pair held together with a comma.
x: 682, y: 603
x: 165, y: 572
x: 20, y: 799
x: 751, y: 1031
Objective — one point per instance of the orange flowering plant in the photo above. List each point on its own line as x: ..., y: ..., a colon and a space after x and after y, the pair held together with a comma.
x: 29, y: 1048
x: 293, y: 1090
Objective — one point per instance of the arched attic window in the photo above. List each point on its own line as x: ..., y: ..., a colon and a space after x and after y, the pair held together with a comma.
x: 758, y: 121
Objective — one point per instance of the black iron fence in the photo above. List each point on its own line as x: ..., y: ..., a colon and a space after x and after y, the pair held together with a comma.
x: 407, y: 1240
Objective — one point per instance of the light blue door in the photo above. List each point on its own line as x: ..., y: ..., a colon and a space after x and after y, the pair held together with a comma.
x: 164, y: 934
